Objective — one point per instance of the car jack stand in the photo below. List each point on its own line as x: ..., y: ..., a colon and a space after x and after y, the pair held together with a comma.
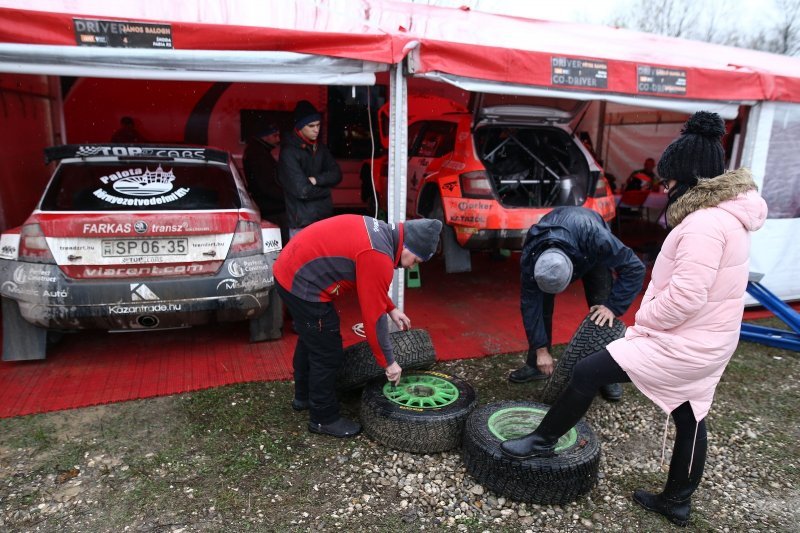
x: 413, y: 280
x: 779, y: 338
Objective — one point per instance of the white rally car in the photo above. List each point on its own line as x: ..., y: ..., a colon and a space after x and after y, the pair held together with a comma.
x: 137, y: 237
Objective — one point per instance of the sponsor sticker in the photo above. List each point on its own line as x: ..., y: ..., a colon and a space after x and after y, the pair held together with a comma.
x: 24, y: 274
x: 9, y: 245
x: 140, y: 187
x: 140, y: 291
x: 272, y: 239
x: 136, y: 309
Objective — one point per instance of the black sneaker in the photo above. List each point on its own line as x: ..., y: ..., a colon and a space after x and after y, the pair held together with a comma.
x: 525, y: 374
x: 299, y: 405
x: 611, y: 392
x: 341, y: 428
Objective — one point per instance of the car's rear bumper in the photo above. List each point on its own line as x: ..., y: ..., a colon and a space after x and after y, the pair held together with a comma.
x: 491, y: 239
x: 47, y: 298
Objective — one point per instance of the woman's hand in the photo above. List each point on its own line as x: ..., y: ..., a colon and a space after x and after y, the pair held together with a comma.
x: 600, y: 314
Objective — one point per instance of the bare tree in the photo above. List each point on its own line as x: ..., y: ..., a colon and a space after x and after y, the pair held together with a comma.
x: 704, y: 21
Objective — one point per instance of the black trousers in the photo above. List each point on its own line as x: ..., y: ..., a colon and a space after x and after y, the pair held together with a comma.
x: 596, y: 288
x: 601, y: 369
x: 318, y: 355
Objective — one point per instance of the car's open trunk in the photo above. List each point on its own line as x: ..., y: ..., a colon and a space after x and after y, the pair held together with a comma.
x: 533, y: 166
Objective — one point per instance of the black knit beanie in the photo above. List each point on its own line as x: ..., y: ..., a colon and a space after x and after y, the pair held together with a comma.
x: 697, y: 153
x: 304, y: 114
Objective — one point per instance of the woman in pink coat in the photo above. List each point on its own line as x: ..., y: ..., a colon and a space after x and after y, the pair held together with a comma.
x: 688, y: 324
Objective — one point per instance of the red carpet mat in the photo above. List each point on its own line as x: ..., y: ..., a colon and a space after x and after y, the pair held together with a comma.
x: 467, y: 315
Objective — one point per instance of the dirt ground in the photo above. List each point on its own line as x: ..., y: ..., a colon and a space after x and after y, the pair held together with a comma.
x: 238, y: 458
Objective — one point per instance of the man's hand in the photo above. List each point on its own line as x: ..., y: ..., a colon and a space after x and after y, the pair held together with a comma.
x: 393, y: 373
x: 600, y: 314
x: 544, y: 361
x: 313, y: 180
x: 400, y: 319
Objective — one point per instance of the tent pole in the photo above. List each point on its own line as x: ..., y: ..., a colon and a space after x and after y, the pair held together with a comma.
x: 398, y: 163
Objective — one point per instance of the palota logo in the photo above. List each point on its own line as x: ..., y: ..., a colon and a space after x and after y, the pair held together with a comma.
x: 151, y: 183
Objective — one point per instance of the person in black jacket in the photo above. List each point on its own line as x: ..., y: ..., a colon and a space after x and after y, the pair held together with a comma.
x: 261, y: 169
x: 572, y: 243
x: 306, y: 170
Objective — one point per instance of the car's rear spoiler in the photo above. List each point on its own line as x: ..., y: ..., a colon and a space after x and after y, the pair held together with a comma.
x: 130, y: 151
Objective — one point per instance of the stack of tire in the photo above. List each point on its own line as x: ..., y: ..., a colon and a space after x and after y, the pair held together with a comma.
x: 430, y: 412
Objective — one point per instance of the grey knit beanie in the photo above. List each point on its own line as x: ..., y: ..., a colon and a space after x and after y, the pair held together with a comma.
x: 421, y: 236
x: 553, y: 271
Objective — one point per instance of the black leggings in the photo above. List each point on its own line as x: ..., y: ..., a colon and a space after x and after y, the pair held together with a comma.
x: 601, y: 369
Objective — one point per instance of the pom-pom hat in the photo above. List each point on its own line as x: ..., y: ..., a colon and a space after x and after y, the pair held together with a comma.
x: 697, y: 153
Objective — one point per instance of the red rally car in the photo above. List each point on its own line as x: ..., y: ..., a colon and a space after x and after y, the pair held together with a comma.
x: 137, y: 237
x: 489, y: 176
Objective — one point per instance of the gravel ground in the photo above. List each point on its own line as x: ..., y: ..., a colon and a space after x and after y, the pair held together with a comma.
x: 751, y: 481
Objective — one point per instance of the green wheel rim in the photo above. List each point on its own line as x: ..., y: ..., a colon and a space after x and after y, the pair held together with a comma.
x: 515, y: 422
x: 422, y: 391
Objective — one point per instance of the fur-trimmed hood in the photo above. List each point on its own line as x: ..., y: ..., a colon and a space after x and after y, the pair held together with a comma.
x: 732, y: 187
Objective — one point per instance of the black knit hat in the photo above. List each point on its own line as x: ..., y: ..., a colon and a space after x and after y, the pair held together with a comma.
x: 697, y: 153
x: 304, y: 114
x: 265, y: 130
x: 421, y: 236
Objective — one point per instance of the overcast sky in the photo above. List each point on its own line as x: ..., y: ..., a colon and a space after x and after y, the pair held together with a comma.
x: 746, y: 14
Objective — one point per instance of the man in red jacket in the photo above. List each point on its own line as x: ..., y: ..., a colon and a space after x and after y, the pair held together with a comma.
x: 324, y: 260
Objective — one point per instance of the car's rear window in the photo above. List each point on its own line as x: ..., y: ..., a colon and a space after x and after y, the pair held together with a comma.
x: 140, y: 185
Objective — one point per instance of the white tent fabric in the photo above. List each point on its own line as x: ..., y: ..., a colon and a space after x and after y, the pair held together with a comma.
x: 186, y: 65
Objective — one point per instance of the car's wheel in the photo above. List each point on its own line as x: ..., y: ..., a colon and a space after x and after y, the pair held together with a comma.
x: 456, y: 258
x: 22, y: 341
x: 554, y: 480
x: 588, y: 339
x: 412, y: 349
x: 267, y: 325
x: 424, y: 413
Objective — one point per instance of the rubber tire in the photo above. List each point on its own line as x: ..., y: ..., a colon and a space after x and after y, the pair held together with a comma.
x: 412, y: 429
x: 546, y: 481
x: 269, y: 324
x: 588, y: 339
x: 412, y: 349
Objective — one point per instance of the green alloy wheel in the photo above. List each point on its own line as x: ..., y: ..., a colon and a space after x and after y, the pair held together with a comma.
x: 413, y: 349
x: 424, y: 413
x: 561, y: 479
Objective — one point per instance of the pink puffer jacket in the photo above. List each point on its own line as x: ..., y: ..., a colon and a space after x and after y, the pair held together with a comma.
x: 687, y: 327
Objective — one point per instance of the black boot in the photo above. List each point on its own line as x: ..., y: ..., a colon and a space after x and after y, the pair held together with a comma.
x: 674, y: 502
x: 564, y: 414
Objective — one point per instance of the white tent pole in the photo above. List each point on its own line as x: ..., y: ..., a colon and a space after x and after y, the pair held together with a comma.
x: 398, y: 162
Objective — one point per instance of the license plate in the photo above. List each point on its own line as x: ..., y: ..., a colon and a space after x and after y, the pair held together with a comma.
x: 130, y: 247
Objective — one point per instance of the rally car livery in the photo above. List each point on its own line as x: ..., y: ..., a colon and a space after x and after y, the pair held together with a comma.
x: 490, y: 175
x: 137, y: 238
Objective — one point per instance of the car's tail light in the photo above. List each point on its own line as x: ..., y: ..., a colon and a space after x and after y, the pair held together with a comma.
x: 246, y: 239
x: 476, y: 185
x: 33, y: 245
x: 601, y: 188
